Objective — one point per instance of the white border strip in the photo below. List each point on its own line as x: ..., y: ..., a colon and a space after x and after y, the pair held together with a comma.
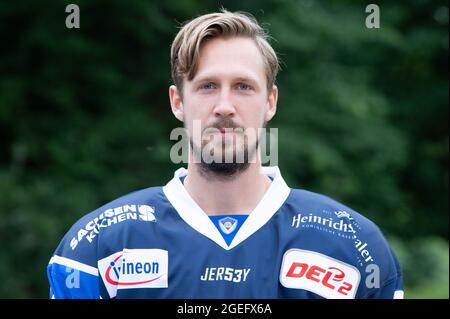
x: 74, y: 264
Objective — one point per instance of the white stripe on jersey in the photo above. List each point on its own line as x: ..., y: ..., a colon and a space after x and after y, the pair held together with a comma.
x: 73, y: 264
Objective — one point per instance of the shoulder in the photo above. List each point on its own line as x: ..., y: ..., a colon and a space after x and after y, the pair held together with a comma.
x: 79, y: 241
x: 313, y: 209
x: 75, y: 260
x: 316, y: 206
x: 337, y: 231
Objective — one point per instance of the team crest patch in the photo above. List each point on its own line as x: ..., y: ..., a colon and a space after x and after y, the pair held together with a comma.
x: 228, y: 225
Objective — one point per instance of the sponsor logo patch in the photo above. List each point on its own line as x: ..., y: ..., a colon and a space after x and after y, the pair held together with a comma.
x: 320, y: 274
x: 134, y: 268
x: 225, y: 274
x: 111, y: 217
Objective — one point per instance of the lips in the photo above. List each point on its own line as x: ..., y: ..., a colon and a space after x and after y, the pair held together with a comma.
x: 228, y: 130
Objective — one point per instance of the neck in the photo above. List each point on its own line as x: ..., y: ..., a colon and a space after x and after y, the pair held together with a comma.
x: 217, y: 196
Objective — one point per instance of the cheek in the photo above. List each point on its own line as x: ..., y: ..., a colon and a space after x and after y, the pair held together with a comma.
x: 197, y: 109
x: 192, y: 119
x: 255, y: 113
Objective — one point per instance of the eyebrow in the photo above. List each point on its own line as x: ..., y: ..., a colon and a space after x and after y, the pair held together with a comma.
x: 214, y: 79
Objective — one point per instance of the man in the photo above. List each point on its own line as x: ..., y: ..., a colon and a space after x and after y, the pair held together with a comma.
x: 224, y: 229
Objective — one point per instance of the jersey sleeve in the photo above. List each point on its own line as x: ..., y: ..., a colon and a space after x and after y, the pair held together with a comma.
x: 392, y: 288
x: 72, y: 271
x: 382, y: 276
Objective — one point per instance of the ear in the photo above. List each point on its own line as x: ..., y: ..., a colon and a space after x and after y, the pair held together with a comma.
x: 271, y: 104
x: 176, y: 103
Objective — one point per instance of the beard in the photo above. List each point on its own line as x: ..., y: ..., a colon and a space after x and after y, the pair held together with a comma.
x: 232, y: 158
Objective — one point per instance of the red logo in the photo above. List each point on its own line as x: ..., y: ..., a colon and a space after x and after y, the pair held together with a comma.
x: 331, y: 278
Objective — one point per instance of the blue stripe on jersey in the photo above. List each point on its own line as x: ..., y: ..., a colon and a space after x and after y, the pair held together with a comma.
x: 228, y: 225
x: 69, y: 283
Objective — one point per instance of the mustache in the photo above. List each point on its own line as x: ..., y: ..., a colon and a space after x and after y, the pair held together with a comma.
x: 224, y: 123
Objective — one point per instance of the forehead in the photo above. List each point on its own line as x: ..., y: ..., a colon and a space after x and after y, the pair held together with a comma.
x: 232, y: 57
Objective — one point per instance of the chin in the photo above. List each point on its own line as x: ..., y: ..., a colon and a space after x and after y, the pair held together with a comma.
x: 223, y: 170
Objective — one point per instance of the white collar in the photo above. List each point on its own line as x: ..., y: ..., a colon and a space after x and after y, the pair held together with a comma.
x: 194, y: 216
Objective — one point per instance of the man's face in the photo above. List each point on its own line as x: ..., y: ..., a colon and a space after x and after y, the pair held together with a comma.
x: 228, y: 91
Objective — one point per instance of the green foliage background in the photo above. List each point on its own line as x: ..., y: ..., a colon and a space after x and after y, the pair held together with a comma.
x: 85, y: 118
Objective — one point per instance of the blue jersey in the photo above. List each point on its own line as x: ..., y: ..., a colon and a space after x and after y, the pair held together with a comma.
x: 158, y: 243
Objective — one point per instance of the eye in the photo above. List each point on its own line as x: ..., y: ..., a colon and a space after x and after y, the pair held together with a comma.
x: 207, y: 86
x: 244, y: 87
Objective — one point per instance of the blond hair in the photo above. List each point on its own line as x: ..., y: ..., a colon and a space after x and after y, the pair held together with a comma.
x: 185, y: 48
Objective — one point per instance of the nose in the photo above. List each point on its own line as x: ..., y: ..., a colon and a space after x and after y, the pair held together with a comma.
x: 224, y: 106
